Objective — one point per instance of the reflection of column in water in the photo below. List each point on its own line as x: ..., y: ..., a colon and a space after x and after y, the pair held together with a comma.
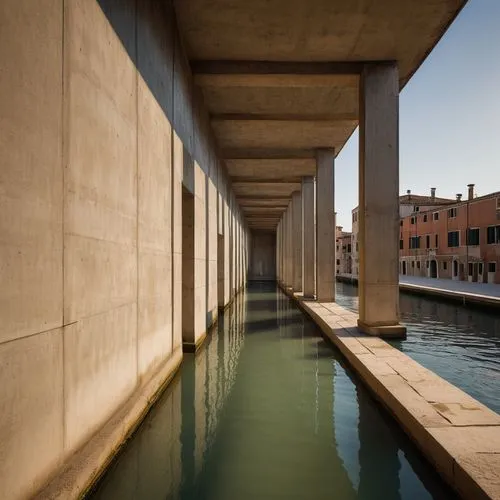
x: 200, y: 405
x: 150, y: 464
x: 345, y: 423
x: 378, y: 453
x: 316, y: 378
x: 211, y: 387
x: 215, y: 368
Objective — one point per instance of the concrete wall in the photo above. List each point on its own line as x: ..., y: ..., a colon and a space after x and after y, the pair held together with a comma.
x: 263, y: 256
x: 98, y: 115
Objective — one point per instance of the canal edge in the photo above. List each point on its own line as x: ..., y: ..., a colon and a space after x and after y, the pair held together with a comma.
x: 459, y: 436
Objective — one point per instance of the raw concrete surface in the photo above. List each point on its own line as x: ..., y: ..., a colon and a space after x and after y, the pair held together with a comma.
x: 97, y: 125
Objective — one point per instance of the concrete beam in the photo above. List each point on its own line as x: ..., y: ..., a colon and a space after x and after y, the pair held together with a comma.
x: 282, y: 134
x: 274, y: 68
x: 257, y: 179
x: 276, y: 80
x: 305, y: 117
x: 246, y: 153
x: 264, y: 202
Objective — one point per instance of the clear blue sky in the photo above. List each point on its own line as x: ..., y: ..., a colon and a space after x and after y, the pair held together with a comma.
x: 449, y: 116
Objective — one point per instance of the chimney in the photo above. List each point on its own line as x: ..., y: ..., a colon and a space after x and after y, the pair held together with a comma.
x: 459, y: 196
x: 433, y: 194
x: 471, y: 191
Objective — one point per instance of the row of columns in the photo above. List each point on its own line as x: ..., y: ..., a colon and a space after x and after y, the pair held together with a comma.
x: 306, y: 232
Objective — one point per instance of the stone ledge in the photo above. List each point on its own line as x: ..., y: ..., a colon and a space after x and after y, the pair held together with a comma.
x: 84, y: 467
x: 458, y: 435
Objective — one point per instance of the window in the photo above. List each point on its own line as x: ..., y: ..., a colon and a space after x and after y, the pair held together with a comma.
x: 453, y: 239
x: 492, y: 267
x: 417, y: 209
x: 338, y: 262
x: 357, y: 246
x: 445, y: 266
x: 349, y: 248
x: 470, y: 268
x: 435, y: 216
x: 337, y: 248
x: 498, y: 203
x: 414, y: 242
x: 425, y: 218
x: 452, y: 213
x: 493, y: 235
x: 473, y: 236
x: 480, y: 269
x: 428, y: 241
x: 418, y: 264
x: 401, y: 223
x: 412, y: 220
x: 401, y: 245
x: 436, y: 241
x: 412, y: 263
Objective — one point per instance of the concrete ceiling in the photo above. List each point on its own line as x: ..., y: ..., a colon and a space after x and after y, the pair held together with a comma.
x: 280, y: 79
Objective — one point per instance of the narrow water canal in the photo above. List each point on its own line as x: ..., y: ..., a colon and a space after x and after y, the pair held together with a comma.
x: 460, y: 344
x: 268, y: 410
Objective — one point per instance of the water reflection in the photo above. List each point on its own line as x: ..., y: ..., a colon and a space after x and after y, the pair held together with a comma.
x: 461, y: 344
x: 268, y: 410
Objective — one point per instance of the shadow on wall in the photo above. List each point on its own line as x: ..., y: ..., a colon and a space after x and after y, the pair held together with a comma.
x: 148, y: 32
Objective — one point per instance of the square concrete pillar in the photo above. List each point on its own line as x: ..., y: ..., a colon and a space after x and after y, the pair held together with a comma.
x: 288, y: 243
x: 379, y: 201
x: 278, y: 252
x: 308, y: 237
x: 325, y: 226
x: 297, y: 241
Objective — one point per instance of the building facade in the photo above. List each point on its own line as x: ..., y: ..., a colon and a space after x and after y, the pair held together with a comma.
x: 460, y: 241
x: 408, y: 204
x: 343, y: 250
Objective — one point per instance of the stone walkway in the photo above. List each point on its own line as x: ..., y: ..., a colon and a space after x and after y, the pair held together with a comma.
x: 488, y: 289
x: 487, y: 294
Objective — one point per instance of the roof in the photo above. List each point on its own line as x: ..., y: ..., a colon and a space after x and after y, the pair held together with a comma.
x: 280, y: 78
x: 417, y: 199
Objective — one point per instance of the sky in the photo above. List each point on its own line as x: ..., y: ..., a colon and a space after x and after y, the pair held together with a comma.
x: 449, y: 132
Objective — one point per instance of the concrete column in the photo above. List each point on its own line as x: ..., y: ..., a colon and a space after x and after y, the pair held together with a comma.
x: 308, y: 237
x: 379, y: 201
x: 297, y: 241
x: 278, y: 252
x: 325, y: 226
x: 283, y: 250
x: 288, y: 246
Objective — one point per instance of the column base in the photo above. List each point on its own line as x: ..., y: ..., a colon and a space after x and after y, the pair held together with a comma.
x: 323, y: 299
x: 396, y: 331
x: 193, y: 347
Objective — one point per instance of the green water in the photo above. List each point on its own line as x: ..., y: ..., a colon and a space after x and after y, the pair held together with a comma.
x: 268, y: 410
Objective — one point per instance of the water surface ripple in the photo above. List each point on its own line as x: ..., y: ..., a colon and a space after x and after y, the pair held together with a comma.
x: 460, y: 344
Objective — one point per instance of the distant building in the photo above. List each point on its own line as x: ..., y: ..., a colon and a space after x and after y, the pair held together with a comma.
x: 408, y: 204
x: 460, y: 241
x: 444, y: 238
x: 343, y: 242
